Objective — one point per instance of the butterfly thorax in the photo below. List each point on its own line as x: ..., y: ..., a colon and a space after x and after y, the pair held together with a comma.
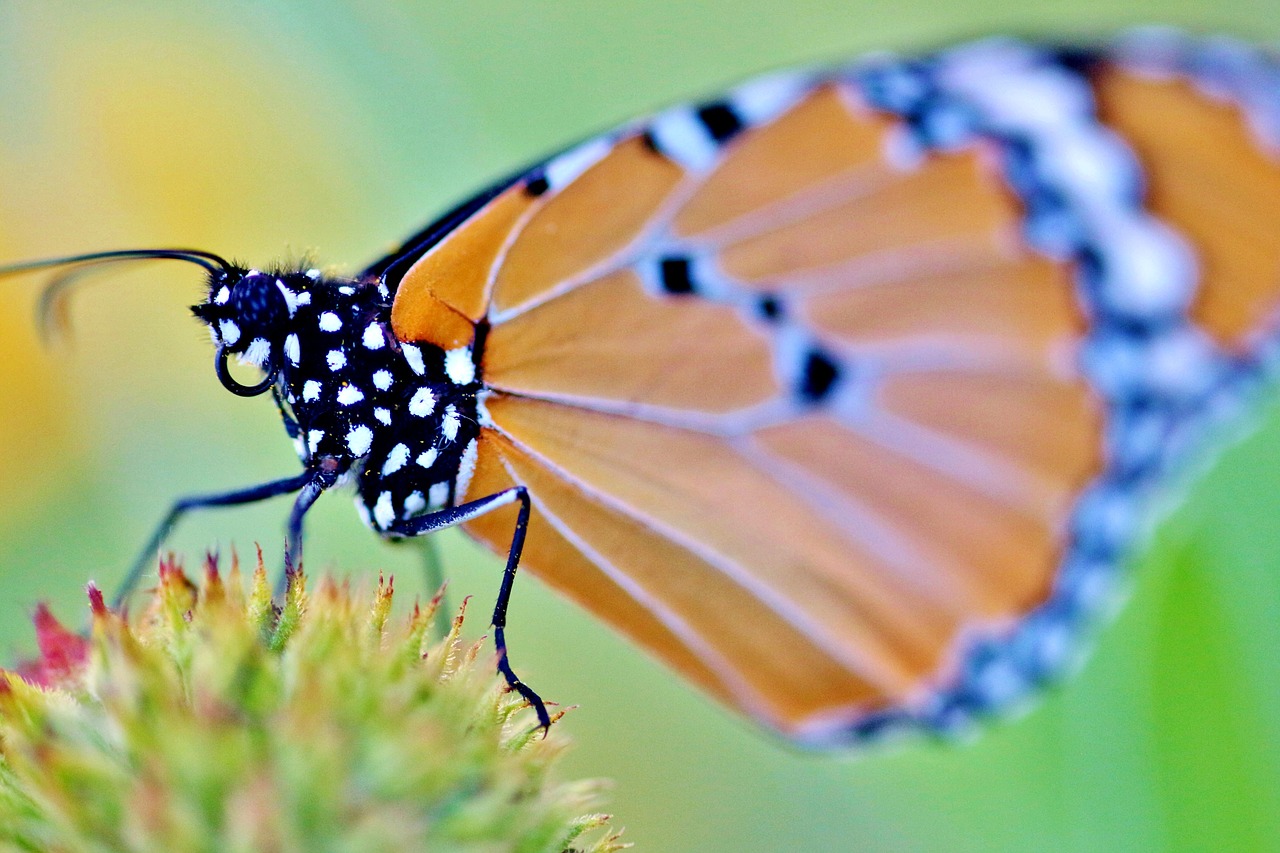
x: 398, y: 417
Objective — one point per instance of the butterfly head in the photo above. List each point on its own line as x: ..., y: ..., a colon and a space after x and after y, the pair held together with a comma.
x: 249, y: 314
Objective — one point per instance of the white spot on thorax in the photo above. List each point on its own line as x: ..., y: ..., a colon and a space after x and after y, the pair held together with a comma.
x: 314, y: 437
x: 382, y: 379
x: 304, y: 298
x: 414, y: 504
x: 293, y: 349
x: 311, y: 391
x: 413, y: 355
x: 229, y: 331
x: 396, y: 459
x: 459, y: 366
x: 382, y: 415
x: 383, y: 512
x: 438, y: 495
x: 449, y: 426
x: 330, y: 322
x: 337, y: 359
x: 423, y: 403
x: 359, y: 440
x: 428, y: 457
x: 257, y: 353
x: 313, y: 274
x: 350, y: 395
x: 374, y: 336
x: 290, y: 298
x: 466, y: 469
x: 223, y: 295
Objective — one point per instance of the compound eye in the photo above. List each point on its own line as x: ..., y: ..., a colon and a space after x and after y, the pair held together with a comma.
x: 258, y: 305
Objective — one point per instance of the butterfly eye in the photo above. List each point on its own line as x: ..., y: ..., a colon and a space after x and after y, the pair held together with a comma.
x: 258, y: 308
x: 233, y: 385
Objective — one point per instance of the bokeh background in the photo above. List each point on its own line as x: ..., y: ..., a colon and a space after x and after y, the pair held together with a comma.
x: 276, y: 128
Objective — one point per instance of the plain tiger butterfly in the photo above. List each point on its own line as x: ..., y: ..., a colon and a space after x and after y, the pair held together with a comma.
x: 842, y: 394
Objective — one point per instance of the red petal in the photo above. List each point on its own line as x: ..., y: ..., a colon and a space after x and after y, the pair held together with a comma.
x: 62, y: 653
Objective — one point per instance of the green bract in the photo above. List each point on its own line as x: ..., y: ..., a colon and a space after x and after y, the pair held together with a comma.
x: 217, y: 721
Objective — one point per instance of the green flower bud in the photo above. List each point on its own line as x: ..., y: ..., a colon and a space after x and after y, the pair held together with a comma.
x: 220, y: 721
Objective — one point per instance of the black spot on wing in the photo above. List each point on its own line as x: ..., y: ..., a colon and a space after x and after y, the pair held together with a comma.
x: 537, y: 184
x: 675, y: 276
x: 818, y: 377
x: 720, y: 120
x: 769, y: 307
x: 1080, y: 59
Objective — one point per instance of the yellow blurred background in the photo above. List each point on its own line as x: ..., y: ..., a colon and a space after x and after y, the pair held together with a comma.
x: 268, y: 129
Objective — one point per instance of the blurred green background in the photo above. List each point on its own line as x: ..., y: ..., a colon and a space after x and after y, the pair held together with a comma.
x: 275, y: 128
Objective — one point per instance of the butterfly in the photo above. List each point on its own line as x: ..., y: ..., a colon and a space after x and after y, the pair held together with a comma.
x: 842, y: 394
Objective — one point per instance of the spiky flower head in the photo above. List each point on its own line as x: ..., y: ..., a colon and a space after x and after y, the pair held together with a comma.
x: 218, y: 721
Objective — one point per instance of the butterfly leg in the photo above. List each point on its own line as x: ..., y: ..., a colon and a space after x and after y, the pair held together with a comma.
x: 465, y: 512
x: 290, y: 424
x: 184, y: 505
x: 316, y: 483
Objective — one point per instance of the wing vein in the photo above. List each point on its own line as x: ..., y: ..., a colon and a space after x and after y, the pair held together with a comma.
x: 692, y: 640
x: 786, y: 609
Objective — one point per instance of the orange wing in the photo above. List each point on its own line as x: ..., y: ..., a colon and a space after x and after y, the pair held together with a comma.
x: 1212, y: 177
x: 838, y: 394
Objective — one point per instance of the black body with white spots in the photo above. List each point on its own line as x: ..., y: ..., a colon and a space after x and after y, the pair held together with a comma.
x: 357, y: 402
x: 401, y: 418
